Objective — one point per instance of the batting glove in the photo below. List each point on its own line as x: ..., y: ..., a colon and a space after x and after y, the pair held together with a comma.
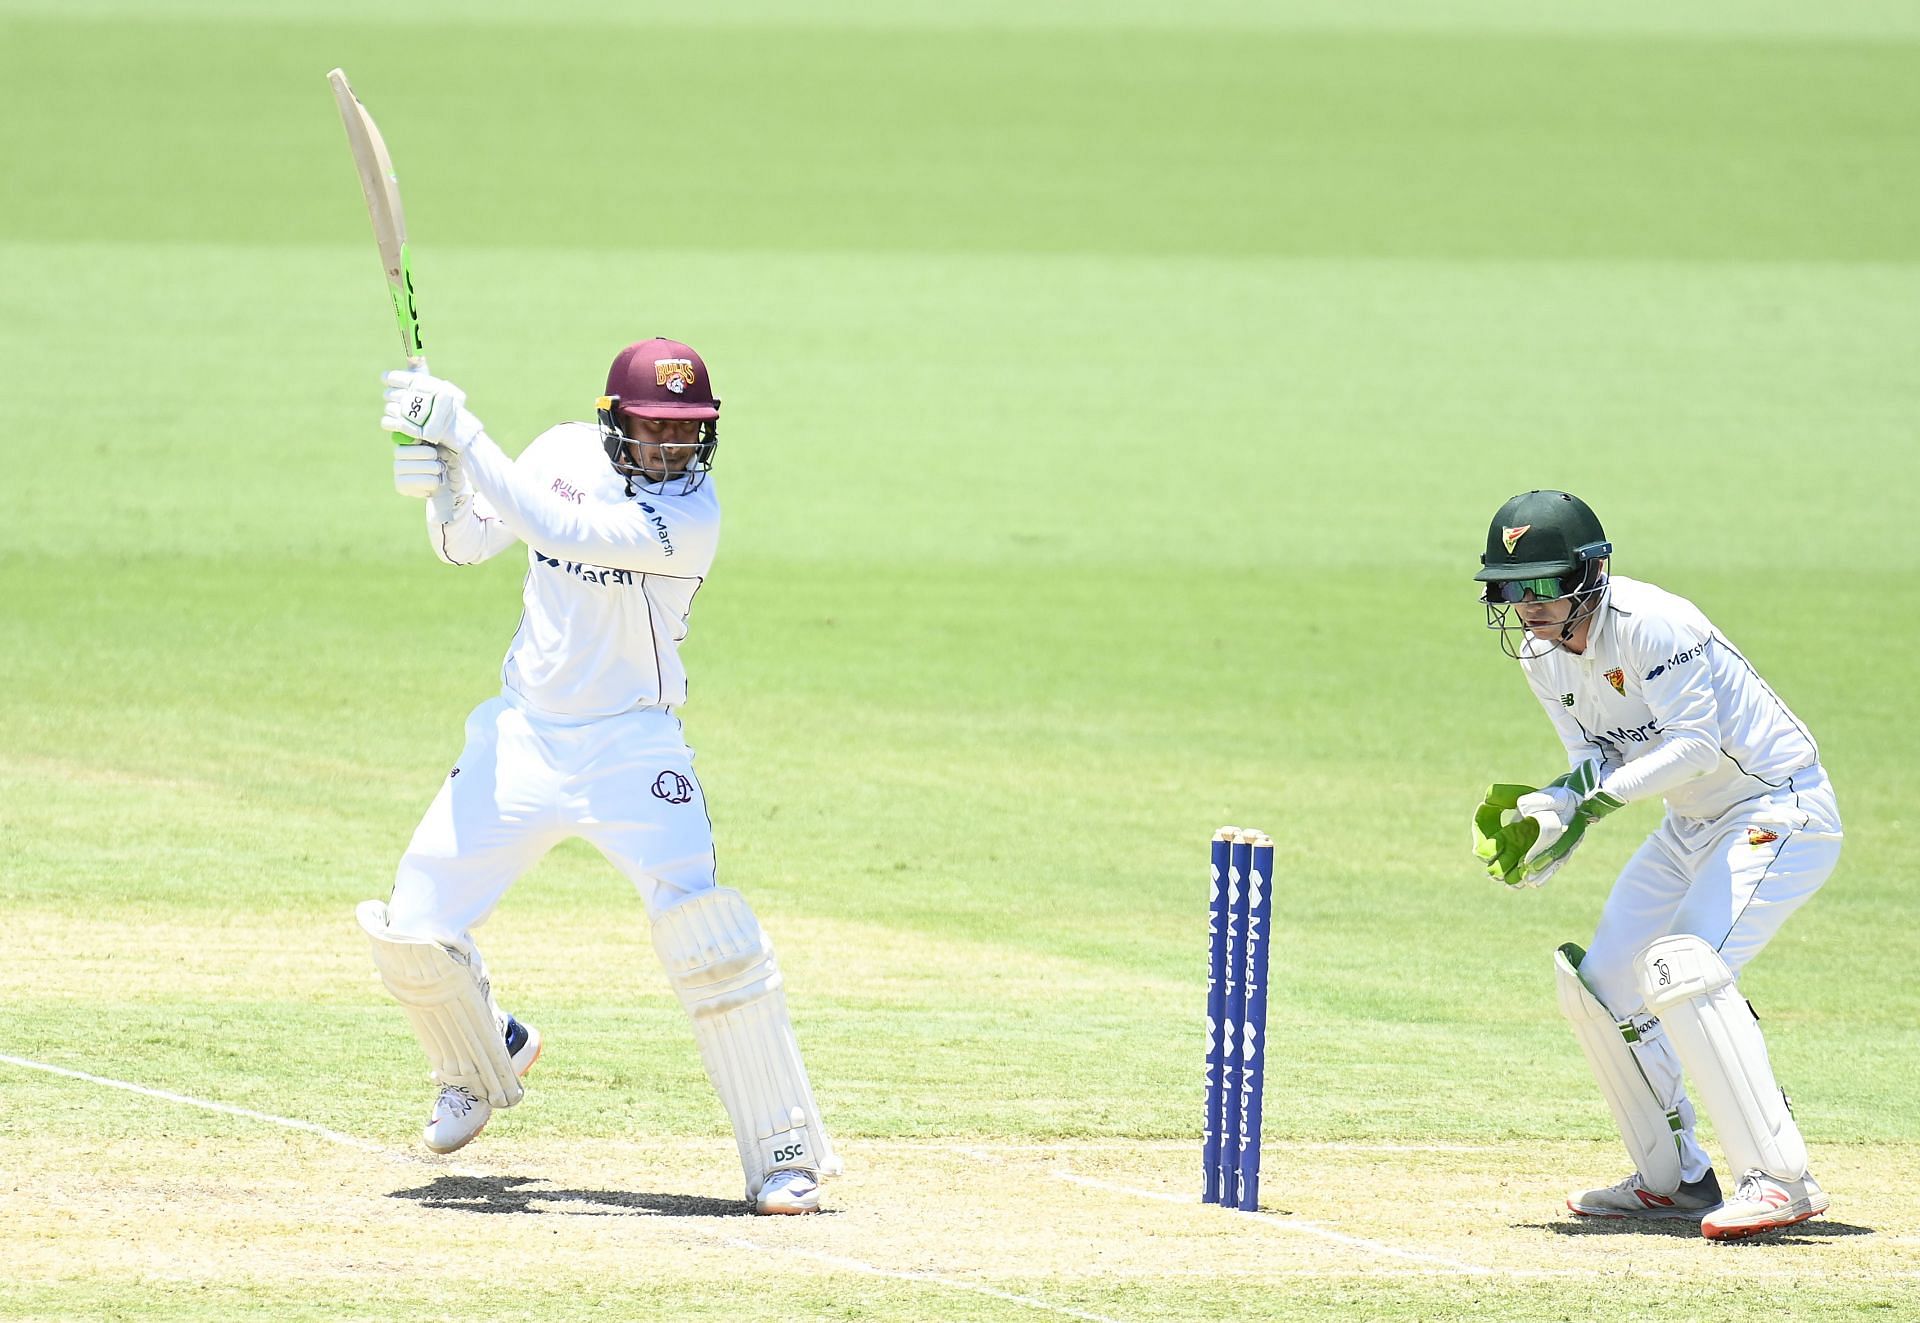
x: 433, y: 474
x: 425, y: 408
x: 418, y: 471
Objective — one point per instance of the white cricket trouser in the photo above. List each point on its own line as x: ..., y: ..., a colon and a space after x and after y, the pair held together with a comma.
x: 526, y: 782
x: 1731, y: 881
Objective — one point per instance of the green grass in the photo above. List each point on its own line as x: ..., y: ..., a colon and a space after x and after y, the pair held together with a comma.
x: 1113, y: 412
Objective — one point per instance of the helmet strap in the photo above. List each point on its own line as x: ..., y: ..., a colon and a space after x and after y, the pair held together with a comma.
x: 1587, y: 598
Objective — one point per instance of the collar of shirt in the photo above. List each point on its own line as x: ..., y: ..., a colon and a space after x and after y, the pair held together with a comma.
x: 1597, y: 633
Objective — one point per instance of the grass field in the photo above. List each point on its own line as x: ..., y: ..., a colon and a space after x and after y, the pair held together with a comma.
x: 1116, y: 396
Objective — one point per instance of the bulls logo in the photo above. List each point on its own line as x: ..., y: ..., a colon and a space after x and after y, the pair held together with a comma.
x: 672, y: 787
x: 676, y: 374
x: 1511, y: 536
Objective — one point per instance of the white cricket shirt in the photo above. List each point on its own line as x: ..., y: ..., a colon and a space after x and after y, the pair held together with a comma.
x: 1669, y: 707
x: 610, y: 577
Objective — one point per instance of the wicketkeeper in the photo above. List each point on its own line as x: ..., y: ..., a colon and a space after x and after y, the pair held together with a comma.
x: 1650, y: 699
x: 620, y: 523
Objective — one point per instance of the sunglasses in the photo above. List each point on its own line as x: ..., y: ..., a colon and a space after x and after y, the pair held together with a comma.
x: 1516, y: 590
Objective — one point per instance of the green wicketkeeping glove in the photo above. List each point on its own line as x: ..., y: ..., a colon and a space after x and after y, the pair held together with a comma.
x: 1501, y: 837
x: 1524, y: 835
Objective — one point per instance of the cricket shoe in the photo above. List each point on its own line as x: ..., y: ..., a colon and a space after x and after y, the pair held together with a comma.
x: 1631, y: 1198
x: 1765, y: 1203
x: 788, y: 1190
x: 459, y: 1114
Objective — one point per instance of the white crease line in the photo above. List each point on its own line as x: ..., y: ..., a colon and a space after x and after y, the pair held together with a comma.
x: 1336, y: 1146
x: 332, y: 1136
x: 1314, y: 1229
x: 1181, y: 1146
x: 381, y: 1150
x: 836, y: 1261
x: 229, y: 1109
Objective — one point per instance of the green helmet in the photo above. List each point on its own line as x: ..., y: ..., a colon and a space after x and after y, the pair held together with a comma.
x: 1541, y: 535
x: 1542, y: 546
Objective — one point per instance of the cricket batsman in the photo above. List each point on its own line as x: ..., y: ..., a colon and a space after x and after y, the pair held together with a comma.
x: 620, y: 522
x: 1650, y: 699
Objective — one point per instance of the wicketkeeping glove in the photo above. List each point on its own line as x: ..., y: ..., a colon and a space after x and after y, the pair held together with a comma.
x: 1524, y: 835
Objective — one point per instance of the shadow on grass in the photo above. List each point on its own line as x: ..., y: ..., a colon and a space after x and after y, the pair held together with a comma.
x: 1803, y: 1233
x: 521, y: 1194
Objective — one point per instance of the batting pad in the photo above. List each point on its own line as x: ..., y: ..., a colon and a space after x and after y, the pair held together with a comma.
x: 720, y: 962
x: 451, y: 1008
x: 1650, y: 1129
x: 1689, y: 986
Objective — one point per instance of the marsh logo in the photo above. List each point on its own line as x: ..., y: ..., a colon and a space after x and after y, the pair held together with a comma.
x: 672, y: 787
x: 659, y: 526
x: 676, y: 374
x: 1680, y: 659
x: 597, y: 574
x: 1631, y: 734
x: 1510, y: 537
x: 1657, y: 672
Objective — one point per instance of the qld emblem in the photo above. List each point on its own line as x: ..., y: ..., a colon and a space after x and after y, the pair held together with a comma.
x: 1618, y: 679
x: 676, y: 374
x: 1510, y: 537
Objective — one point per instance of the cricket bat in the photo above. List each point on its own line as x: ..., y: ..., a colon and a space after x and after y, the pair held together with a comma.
x: 382, y: 190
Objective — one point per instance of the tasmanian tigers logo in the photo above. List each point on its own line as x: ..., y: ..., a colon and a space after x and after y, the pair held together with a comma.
x: 1618, y: 679
x: 1761, y: 836
x: 1511, y: 536
x: 676, y: 374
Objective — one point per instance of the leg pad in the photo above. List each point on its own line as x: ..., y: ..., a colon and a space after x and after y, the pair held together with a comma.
x: 451, y: 1007
x: 1688, y: 985
x: 1650, y: 1130
x: 721, y: 965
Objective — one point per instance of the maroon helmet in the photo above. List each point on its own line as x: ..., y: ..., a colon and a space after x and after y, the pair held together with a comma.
x: 663, y: 380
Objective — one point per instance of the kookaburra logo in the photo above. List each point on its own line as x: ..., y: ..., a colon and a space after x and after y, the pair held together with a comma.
x: 1666, y: 975
x: 672, y: 787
